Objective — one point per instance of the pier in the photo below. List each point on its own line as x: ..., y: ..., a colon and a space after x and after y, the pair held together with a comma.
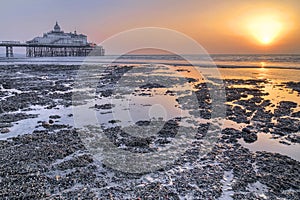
x: 55, y: 43
x: 9, y: 46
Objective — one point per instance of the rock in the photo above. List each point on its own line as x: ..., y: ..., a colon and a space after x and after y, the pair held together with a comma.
x: 190, y: 80
x: 163, y: 141
x: 59, y: 126
x: 293, y: 138
x: 4, y: 130
x: 80, y: 161
x: 170, y: 92
x: 143, y: 123
x: 139, y: 142
x: 113, y: 121
x: 250, y: 137
x: 244, y: 95
x: 169, y: 130
x: 287, y: 125
x: 246, y: 130
x: 51, y: 121
x: 104, y: 106
x: 54, y: 117
x: 45, y: 124
x: 294, y: 85
x: 202, y: 130
x: 296, y: 114
x: 284, y: 108
x: 152, y: 85
x: 284, y: 142
x: 14, y: 117
x: 5, y: 125
x: 183, y: 70
x: 106, y: 93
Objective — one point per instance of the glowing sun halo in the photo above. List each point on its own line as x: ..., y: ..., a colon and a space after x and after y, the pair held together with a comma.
x: 265, y: 29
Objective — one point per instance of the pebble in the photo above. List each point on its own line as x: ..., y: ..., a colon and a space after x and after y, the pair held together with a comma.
x: 45, y: 124
x: 4, y: 130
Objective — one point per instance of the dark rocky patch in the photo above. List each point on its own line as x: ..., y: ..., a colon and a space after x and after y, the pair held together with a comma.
x: 278, y: 172
x: 9, y: 118
x: 152, y: 85
x: 249, y: 137
x: 143, y: 123
x: 114, y: 121
x: 296, y: 114
x: 104, y: 106
x: 294, y: 85
x: 35, y: 153
x: 54, y: 117
x: 169, y: 129
x: 284, y: 108
x: 287, y: 125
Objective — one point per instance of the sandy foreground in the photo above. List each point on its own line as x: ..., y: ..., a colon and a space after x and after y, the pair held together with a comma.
x: 65, y: 130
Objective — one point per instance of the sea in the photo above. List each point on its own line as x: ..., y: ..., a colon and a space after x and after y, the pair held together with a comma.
x: 289, y: 61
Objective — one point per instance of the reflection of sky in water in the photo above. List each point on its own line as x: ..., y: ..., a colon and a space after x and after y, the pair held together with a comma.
x: 281, y: 75
x: 135, y: 108
x: 265, y: 143
x: 133, y: 103
x: 27, y: 126
x: 276, y: 93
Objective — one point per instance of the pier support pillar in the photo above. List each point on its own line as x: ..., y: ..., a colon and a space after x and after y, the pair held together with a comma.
x: 9, y: 51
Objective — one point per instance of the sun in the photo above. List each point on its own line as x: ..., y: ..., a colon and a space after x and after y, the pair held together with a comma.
x: 265, y: 28
x: 265, y: 25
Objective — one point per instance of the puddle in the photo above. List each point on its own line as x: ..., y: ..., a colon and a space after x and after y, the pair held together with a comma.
x: 26, y: 126
x: 265, y: 142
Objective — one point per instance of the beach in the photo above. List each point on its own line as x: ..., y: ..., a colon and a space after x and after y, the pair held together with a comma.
x: 223, y: 132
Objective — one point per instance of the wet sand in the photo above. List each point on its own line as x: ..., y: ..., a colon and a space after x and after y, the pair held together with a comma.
x: 45, y: 123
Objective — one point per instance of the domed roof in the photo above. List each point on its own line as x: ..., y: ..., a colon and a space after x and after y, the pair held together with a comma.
x: 56, y: 27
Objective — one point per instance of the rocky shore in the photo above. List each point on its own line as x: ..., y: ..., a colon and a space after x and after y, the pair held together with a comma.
x: 51, y: 161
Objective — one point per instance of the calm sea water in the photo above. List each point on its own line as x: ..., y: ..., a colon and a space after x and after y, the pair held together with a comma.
x: 221, y: 60
x: 276, y: 61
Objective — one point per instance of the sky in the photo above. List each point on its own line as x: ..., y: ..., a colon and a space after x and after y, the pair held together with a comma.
x: 220, y: 27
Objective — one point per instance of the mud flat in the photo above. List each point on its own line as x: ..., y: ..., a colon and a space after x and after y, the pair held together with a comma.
x: 44, y: 154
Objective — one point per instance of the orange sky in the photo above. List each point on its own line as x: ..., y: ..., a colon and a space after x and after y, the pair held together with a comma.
x: 229, y: 26
x: 222, y: 26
